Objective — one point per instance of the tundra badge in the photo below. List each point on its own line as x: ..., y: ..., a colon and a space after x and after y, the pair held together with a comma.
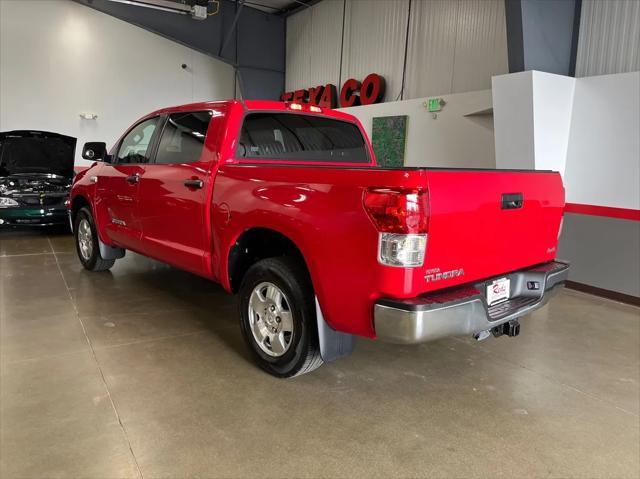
x: 436, y: 275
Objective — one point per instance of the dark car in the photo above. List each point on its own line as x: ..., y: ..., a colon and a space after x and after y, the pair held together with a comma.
x: 36, y: 171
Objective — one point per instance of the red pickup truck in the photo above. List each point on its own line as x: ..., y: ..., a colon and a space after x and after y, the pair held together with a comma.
x: 283, y: 204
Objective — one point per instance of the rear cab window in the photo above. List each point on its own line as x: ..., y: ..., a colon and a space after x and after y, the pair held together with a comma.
x: 299, y: 137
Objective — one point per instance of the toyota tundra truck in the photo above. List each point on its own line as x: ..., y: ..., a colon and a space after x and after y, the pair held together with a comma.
x: 283, y: 205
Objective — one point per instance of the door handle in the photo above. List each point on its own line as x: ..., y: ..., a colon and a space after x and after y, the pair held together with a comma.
x: 511, y: 201
x: 133, y: 179
x: 194, y: 183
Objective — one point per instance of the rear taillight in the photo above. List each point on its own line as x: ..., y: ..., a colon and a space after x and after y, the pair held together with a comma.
x: 402, y: 218
x: 398, y: 211
x: 401, y: 250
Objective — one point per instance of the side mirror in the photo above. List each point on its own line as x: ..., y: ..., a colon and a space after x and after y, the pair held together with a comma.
x: 94, y: 151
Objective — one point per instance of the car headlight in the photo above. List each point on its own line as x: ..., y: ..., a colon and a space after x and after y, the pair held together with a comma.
x: 7, y: 202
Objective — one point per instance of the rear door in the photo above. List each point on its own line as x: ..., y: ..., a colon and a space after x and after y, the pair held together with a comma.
x: 174, y: 210
x: 118, y: 184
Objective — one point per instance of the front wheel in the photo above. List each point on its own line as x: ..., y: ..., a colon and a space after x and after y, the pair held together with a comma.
x: 277, y: 317
x: 86, y: 237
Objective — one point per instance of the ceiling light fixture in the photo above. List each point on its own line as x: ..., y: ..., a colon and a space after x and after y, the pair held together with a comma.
x: 198, y: 12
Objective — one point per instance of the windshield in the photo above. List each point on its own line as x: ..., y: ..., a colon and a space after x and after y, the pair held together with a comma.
x: 301, y: 137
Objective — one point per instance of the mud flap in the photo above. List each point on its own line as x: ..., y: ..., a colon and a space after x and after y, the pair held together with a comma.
x: 109, y: 252
x: 333, y: 344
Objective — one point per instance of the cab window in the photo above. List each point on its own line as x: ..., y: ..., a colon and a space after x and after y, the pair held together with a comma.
x: 183, y: 137
x: 301, y: 137
x: 134, y: 147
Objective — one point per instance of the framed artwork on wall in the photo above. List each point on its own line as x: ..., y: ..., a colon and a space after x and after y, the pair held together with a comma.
x: 389, y: 139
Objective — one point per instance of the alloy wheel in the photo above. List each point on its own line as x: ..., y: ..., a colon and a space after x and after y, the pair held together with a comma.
x: 270, y: 319
x: 85, y: 239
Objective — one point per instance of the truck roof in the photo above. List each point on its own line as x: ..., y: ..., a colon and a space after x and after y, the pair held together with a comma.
x: 252, y: 105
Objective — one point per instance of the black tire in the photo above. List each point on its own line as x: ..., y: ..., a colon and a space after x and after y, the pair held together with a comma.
x: 292, y: 278
x: 93, y: 262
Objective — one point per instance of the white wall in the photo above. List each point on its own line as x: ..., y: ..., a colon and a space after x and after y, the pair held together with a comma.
x: 313, y: 45
x: 609, y: 39
x: 532, y: 119
x: 59, y: 58
x: 460, y: 137
x: 553, y: 97
x: 587, y: 128
x: 453, y: 46
x: 603, y: 158
x: 513, y: 120
x: 374, y: 39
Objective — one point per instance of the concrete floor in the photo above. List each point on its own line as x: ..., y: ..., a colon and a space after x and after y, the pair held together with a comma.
x: 142, y: 372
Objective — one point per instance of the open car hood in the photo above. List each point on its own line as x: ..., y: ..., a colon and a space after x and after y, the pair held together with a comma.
x: 36, y: 152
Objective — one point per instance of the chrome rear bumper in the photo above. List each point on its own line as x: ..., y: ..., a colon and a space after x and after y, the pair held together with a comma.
x: 465, y: 310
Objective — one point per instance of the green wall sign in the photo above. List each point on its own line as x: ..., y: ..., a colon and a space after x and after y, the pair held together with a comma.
x: 435, y: 104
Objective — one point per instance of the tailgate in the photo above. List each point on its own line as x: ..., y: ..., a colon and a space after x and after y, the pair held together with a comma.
x: 478, y: 228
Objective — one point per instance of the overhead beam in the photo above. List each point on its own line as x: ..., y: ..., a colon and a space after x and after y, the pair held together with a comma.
x: 232, y: 30
x: 298, y: 6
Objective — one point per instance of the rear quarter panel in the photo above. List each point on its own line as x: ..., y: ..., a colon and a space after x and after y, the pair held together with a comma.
x: 320, y: 210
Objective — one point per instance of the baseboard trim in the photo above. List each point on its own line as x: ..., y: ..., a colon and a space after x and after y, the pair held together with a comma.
x: 605, y: 293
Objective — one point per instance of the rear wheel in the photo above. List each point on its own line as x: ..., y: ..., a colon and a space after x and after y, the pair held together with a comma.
x: 277, y: 317
x: 86, y: 237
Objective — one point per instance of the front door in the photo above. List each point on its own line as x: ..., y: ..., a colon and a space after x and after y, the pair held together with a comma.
x: 173, y: 192
x: 119, y: 184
